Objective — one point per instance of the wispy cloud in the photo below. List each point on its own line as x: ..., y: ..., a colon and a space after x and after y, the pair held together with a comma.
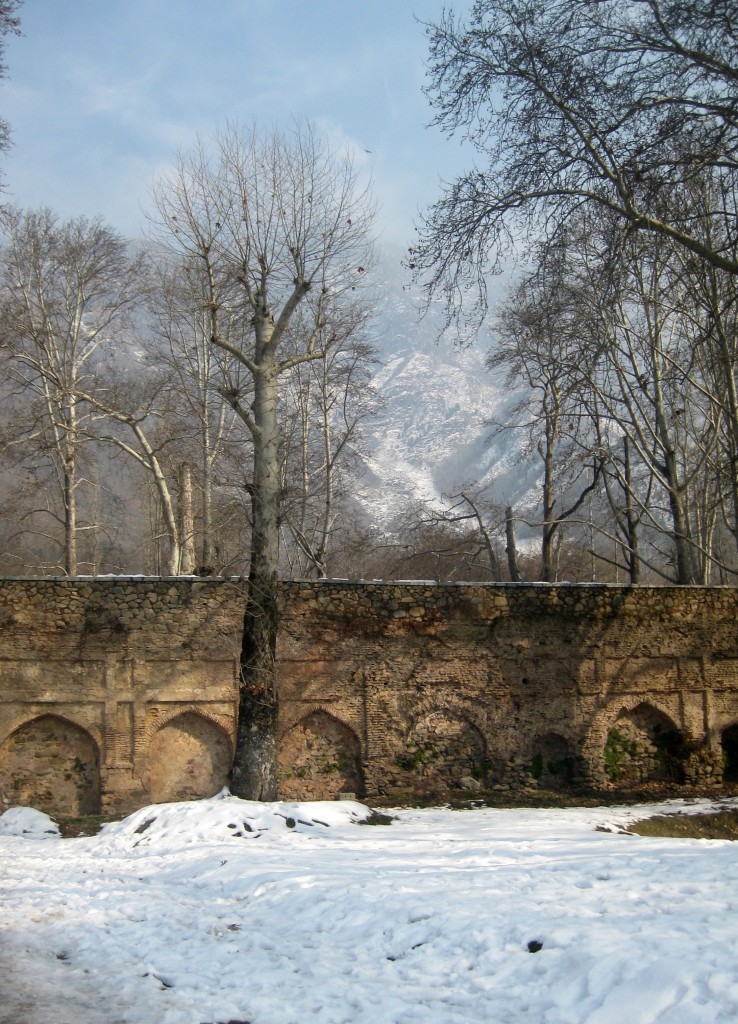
x: 102, y: 94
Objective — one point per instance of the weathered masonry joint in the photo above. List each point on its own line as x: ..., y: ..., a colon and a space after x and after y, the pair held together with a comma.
x: 115, y: 692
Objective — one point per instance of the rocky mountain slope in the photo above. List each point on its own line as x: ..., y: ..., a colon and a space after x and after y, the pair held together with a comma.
x: 432, y: 436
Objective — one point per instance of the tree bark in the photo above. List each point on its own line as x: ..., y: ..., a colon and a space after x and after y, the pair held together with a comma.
x: 511, y: 546
x: 255, y: 762
x: 631, y: 519
x: 187, y: 520
x: 70, y: 516
x: 550, y: 523
x: 70, y: 489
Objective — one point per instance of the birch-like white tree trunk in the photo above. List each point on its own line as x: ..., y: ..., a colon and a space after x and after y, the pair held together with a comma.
x: 68, y: 291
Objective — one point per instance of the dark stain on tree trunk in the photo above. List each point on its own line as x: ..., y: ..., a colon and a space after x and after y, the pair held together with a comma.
x: 255, y: 765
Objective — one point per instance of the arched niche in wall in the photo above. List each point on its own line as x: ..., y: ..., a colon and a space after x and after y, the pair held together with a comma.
x: 444, y: 752
x: 729, y: 744
x: 644, y: 745
x: 189, y: 758
x: 553, y: 762
x: 53, y: 765
x: 319, y: 757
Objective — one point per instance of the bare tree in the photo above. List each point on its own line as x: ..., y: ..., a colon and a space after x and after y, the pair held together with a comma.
x: 9, y: 24
x: 69, y: 289
x: 535, y: 334
x: 197, y: 375
x: 648, y: 384
x: 570, y: 103
x: 627, y: 514
x: 277, y: 223
x: 131, y: 404
x: 325, y: 404
x: 459, y: 536
x: 711, y: 326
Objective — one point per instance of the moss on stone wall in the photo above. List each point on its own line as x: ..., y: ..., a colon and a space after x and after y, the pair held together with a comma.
x: 403, y: 687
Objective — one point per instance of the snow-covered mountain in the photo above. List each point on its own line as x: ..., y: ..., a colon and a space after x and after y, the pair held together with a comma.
x: 432, y: 436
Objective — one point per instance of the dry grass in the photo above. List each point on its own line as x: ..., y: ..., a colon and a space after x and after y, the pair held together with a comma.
x: 722, y: 824
x: 88, y: 825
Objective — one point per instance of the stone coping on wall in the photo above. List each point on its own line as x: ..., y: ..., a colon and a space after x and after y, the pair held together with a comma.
x: 184, y: 614
x: 613, y: 594
x: 336, y: 580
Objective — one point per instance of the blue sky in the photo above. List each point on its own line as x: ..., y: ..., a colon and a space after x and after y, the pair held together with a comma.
x: 101, y: 93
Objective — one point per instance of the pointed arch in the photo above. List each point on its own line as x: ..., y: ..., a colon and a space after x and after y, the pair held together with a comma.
x: 293, y: 714
x: 161, y: 715
x: 33, y: 712
x: 644, y: 745
x: 319, y: 758
x: 444, y: 751
x: 553, y: 762
x: 189, y: 758
x: 52, y: 764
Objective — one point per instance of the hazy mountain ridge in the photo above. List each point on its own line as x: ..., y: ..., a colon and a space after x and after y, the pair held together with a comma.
x: 432, y: 435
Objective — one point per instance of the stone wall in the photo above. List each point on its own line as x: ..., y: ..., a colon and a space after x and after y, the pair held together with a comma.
x: 114, y: 692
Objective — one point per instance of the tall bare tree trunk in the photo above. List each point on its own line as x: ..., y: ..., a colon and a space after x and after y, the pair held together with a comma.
x: 207, y: 548
x: 550, y: 523
x: 255, y: 763
x: 631, y: 519
x: 70, y: 515
x: 511, y: 545
x: 187, y: 520
x: 70, y: 489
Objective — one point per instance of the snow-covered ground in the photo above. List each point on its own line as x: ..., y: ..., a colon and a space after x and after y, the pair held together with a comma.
x: 222, y: 910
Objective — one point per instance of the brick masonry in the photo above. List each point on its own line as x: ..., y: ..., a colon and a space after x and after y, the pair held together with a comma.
x: 118, y: 691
